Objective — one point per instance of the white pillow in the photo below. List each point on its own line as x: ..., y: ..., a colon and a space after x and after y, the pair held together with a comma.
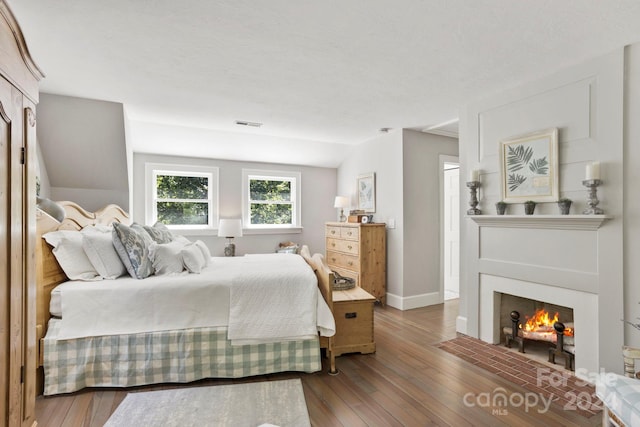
x: 193, y: 258
x: 98, y: 246
x: 166, y: 258
x: 181, y: 238
x: 205, y: 252
x: 67, y: 248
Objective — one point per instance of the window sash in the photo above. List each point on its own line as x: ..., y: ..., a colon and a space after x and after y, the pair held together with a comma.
x: 293, y: 178
x: 211, y: 175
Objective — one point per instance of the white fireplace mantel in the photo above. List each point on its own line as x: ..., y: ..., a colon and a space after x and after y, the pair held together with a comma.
x: 562, y: 222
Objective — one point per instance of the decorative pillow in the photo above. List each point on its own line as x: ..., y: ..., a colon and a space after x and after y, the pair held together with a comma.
x: 181, y: 238
x: 166, y: 257
x: 132, y: 244
x: 98, y: 245
x: 193, y: 258
x: 205, y: 252
x: 67, y: 248
x: 159, y: 233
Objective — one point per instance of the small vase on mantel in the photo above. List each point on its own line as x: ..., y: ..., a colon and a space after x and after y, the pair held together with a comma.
x: 501, y: 208
x: 565, y: 206
x: 529, y: 207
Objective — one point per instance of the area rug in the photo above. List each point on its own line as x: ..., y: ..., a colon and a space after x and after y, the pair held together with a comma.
x: 279, y: 403
x: 551, y: 382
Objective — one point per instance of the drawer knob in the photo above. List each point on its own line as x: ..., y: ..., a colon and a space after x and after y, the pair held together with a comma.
x: 333, y: 231
x: 352, y: 315
x: 350, y: 263
x: 350, y: 247
x: 333, y: 244
x: 333, y: 259
x: 349, y: 233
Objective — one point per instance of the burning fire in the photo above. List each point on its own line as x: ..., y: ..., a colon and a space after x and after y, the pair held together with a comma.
x: 542, y: 322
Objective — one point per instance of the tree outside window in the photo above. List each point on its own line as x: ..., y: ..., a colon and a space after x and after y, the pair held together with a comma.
x: 182, y: 196
x: 182, y: 200
x: 271, y: 202
x: 271, y: 199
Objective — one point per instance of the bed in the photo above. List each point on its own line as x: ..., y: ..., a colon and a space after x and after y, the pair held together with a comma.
x: 177, y: 327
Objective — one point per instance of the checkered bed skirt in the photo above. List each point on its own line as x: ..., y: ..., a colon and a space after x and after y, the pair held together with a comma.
x: 163, y: 357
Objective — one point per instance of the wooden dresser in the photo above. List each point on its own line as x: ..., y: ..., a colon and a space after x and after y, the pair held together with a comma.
x: 359, y: 251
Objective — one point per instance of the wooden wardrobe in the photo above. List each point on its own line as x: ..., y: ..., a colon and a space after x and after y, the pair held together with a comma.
x: 19, y: 78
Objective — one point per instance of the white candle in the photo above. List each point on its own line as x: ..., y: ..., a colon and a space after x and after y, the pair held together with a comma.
x: 474, y: 175
x: 593, y: 171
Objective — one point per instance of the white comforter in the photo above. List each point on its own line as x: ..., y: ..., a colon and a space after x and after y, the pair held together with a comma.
x: 260, y: 298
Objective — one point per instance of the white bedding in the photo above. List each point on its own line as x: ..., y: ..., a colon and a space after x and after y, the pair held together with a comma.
x: 157, y: 303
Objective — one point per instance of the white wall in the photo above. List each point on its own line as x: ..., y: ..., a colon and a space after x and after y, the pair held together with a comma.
x: 318, y: 193
x: 382, y: 155
x: 585, y: 103
x: 422, y: 205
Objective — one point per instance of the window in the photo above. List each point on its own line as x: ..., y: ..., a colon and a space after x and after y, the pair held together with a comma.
x: 271, y: 199
x: 182, y: 197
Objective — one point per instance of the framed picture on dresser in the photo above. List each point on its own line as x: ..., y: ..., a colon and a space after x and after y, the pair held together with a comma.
x: 367, y: 192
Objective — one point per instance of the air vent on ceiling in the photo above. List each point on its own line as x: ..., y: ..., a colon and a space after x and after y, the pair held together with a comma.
x: 245, y: 123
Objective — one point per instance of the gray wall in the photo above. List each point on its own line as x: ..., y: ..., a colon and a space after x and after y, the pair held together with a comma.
x: 422, y: 220
x: 318, y: 192
x: 407, y: 167
x: 631, y: 199
x: 83, y: 150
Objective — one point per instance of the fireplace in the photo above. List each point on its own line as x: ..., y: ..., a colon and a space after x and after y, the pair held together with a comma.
x: 574, y: 306
x: 524, y: 322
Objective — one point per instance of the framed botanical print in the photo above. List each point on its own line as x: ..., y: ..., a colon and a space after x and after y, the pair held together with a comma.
x: 529, y: 167
x: 367, y: 192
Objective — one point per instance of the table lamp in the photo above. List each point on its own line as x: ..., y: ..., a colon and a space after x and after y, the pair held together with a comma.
x: 230, y: 228
x: 341, y: 202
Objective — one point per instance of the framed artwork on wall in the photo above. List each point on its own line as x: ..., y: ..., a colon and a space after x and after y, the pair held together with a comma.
x: 367, y: 192
x: 529, y: 167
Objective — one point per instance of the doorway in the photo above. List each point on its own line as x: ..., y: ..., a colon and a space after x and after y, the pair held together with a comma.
x: 451, y: 229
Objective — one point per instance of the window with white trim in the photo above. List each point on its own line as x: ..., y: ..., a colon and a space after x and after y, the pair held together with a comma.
x: 182, y: 197
x: 271, y: 199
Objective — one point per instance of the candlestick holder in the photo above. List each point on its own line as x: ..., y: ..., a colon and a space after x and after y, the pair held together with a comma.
x: 473, y: 202
x: 592, y: 201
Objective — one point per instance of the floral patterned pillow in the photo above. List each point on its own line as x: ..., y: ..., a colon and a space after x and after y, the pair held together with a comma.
x: 132, y: 244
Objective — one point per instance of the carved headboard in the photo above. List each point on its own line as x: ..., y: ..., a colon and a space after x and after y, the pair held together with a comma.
x: 48, y: 272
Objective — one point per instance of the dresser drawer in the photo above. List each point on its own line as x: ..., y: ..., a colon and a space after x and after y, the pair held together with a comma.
x: 348, y: 246
x: 350, y: 262
x: 350, y: 233
x: 354, y: 323
x: 332, y: 231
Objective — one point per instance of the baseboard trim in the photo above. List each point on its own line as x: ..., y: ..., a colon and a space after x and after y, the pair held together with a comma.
x: 461, y: 325
x: 415, y: 301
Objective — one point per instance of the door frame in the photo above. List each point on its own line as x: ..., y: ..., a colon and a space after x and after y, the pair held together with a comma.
x: 443, y: 158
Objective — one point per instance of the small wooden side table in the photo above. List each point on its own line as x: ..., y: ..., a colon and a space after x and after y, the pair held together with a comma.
x: 353, y: 312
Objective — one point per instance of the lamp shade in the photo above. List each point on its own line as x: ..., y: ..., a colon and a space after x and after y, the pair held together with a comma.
x: 230, y: 228
x: 341, y: 202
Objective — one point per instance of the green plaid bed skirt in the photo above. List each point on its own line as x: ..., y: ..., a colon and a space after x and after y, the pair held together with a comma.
x: 164, y: 357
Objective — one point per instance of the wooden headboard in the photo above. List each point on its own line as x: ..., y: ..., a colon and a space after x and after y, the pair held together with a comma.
x: 48, y: 272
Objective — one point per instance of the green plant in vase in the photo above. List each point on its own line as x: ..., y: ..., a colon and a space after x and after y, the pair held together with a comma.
x: 529, y: 207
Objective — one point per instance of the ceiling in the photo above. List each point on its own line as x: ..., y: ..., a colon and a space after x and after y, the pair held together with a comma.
x: 312, y: 72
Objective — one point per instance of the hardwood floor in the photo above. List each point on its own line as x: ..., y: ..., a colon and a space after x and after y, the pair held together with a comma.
x: 407, y: 382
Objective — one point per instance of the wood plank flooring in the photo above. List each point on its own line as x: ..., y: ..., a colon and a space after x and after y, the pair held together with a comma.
x: 407, y: 382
